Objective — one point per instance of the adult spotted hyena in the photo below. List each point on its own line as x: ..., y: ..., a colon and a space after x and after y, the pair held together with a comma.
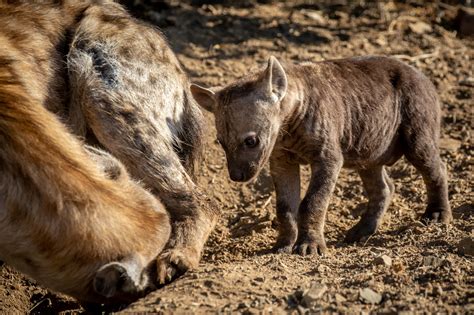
x: 131, y: 96
x: 361, y: 113
x: 70, y: 215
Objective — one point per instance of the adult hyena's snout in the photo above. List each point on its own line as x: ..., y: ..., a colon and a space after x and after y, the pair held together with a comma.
x: 121, y: 282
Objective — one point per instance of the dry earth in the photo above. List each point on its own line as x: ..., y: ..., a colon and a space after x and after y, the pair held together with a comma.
x: 428, y: 269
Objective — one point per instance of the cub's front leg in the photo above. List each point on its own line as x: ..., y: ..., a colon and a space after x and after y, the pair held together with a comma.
x: 312, y: 211
x: 286, y: 178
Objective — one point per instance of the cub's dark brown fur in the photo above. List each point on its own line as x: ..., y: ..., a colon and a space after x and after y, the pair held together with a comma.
x: 361, y: 113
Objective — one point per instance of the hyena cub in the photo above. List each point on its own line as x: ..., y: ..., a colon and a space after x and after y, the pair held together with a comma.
x: 361, y: 113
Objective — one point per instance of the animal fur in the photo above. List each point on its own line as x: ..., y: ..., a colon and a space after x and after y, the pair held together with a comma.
x: 361, y: 113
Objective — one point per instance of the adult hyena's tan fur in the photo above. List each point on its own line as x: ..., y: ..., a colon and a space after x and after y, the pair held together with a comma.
x: 63, y: 220
x: 70, y: 216
x: 361, y: 113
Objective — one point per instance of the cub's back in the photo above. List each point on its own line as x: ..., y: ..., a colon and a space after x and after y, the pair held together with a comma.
x: 367, y: 98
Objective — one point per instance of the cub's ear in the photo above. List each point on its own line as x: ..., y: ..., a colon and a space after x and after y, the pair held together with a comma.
x: 275, y: 78
x: 205, y: 97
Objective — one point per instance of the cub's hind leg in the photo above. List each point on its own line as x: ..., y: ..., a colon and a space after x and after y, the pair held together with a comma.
x: 421, y: 131
x: 379, y: 189
x: 425, y: 158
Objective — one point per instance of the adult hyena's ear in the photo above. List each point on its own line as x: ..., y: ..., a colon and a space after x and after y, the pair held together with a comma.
x: 205, y: 97
x: 275, y: 78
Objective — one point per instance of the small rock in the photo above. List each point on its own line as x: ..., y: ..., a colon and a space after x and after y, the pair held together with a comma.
x: 449, y: 144
x: 466, y: 246
x: 316, y: 16
x: 302, y: 310
x: 242, y: 305
x: 398, y: 266
x: 431, y: 261
x: 469, y: 81
x: 418, y: 228
x: 339, y: 298
x: 420, y: 27
x: 383, y: 260
x: 260, y: 279
x: 314, y: 294
x: 369, y: 296
x: 438, y: 290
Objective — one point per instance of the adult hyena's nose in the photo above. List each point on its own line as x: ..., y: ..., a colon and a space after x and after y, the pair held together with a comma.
x: 236, y: 175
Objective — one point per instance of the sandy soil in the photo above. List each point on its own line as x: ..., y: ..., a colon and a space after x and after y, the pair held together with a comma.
x: 430, y: 268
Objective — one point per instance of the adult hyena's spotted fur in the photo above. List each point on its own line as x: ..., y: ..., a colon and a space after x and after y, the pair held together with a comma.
x: 70, y: 215
x: 79, y: 227
x: 131, y: 96
x: 361, y: 113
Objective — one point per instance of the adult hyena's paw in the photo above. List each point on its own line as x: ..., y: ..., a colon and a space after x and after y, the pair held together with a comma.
x: 308, y: 245
x: 174, y: 262
x: 437, y: 216
x: 363, y: 228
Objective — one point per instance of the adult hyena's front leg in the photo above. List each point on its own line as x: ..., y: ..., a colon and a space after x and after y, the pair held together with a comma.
x: 286, y: 178
x: 312, y: 211
x: 193, y: 216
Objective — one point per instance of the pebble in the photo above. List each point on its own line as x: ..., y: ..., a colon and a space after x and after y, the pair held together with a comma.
x: 339, y: 298
x: 432, y: 261
x: 438, y: 290
x: 369, y: 296
x: 398, y: 266
x: 383, y: 260
x: 314, y: 294
x: 316, y: 16
x: 420, y: 27
x: 448, y: 144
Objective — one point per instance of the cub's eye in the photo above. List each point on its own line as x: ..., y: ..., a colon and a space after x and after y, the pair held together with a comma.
x: 251, y: 142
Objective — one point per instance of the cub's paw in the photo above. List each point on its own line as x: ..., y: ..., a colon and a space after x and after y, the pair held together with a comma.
x: 174, y: 262
x: 436, y: 216
x: 363, y: 228
x: 282, y: 248
x: 308, y: 245
x: 284, y: 243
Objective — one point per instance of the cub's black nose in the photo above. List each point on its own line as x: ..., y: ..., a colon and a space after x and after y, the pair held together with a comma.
x: 236, y: 175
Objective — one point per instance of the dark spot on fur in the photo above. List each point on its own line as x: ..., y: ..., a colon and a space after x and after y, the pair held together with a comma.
x: 140, y: 71
x: 395, y: 78
x: 152, y: 79
x: 31, y: 263
x: 130, y: 117
x: 119, y: 21
x: 104, y: 68
x: 126, y: 52
x: 188, y: 146
x: 152, y: 45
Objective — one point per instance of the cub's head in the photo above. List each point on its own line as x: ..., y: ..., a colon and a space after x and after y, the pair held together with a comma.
x: 247, y: 115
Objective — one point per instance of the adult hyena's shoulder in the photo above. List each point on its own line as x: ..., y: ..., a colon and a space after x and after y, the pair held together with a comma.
x: 132, y: 78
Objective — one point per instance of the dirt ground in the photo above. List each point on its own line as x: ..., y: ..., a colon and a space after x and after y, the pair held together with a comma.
x: 428, y: 269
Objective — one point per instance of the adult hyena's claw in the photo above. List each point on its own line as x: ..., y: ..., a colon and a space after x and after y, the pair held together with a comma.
x: 174, y: 262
